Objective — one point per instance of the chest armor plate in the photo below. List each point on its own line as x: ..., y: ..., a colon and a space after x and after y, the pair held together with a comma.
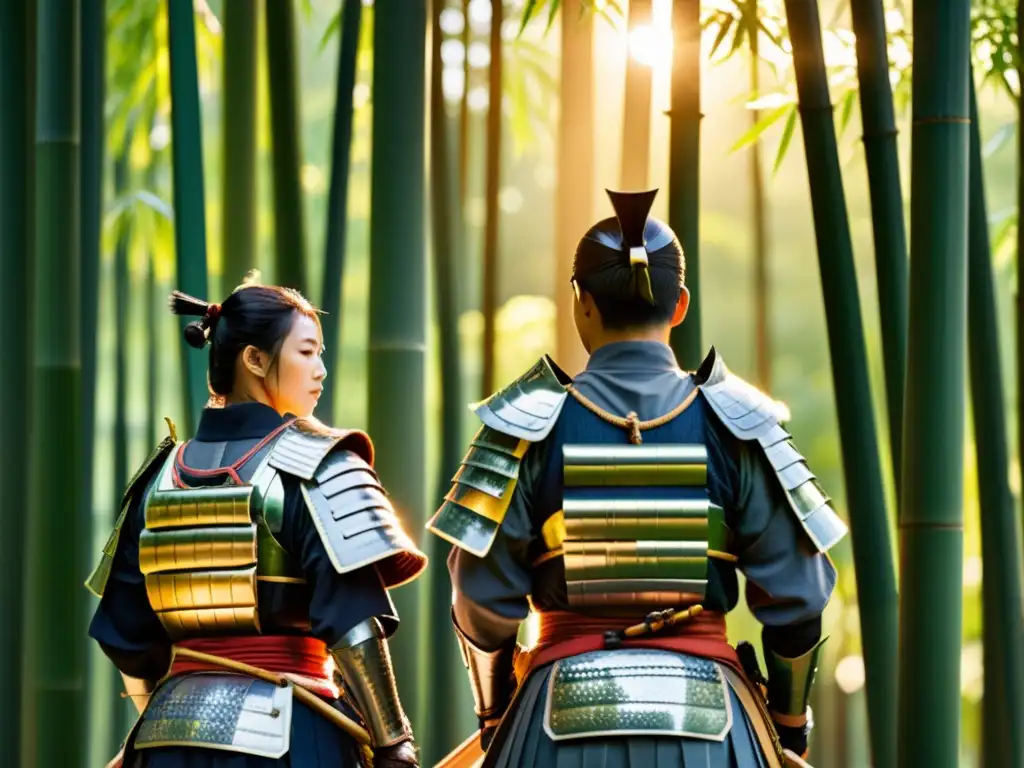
x: 638, y: 525
x: 204, y: 552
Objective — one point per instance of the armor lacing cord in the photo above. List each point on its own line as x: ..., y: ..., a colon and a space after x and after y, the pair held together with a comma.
x: 631, y: 421
x: 652, y: 624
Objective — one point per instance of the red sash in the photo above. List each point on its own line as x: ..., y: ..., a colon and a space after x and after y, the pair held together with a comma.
x: 565, y: 633
x: 303, y: 659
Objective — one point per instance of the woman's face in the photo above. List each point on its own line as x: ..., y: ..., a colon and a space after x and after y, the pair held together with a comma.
x: 296, y: 380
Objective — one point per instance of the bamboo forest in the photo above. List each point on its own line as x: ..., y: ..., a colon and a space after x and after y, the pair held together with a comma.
x: 844, y: 179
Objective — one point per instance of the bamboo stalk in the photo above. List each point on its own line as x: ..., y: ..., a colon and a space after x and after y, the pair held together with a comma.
x: 54, y: 689
x: 492, y: 184
x: 890, y: 238
x: 17, y: 35
x: 869, y: 525
x: 1002, y: 603
x: 1020, y: 249
x: 446, y: 671
x: 398, y: 311
x: 189, y: 208
x: 238, y: 229
x: 93, y: 76
x: 636, y: 110
x: 762, y: 315
x: 574, y: 197
x: 931, y: 519
x: 337, y: 204
x: 684, y: 170
x: 283, y: 68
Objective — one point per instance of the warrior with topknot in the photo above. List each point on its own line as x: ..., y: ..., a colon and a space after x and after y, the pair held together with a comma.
x: 619, y: 507
x: 244, y: 589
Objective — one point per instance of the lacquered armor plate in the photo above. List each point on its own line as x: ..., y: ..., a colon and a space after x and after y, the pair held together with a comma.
x: 638, y: 525
x: 217, y: 711
x: 637, y: 693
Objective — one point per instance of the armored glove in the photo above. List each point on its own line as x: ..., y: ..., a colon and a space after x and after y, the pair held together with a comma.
x: 401, y: 755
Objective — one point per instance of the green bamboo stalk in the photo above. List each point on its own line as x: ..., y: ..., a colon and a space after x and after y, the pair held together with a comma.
x: 102, y: 739
x: 684, y: 170
x: 869, y: 525
x: 189, y: 208
x: 398, y: 312
x: 890, y: 238
x: 154, y: 294
x: 238, y: 230
x: 54, y: 685
x: 762, y: 316
x: 337, y: 203
x: 574, y: 198
x: 445, y: 730
x: 492, y: 183
x: 17, y: 31
x: 636, y: 110
x: 283, y: 70
x: 122, y: 708
x: 1019, y: 303
x: 931, y: 518
x: 1002, y: 603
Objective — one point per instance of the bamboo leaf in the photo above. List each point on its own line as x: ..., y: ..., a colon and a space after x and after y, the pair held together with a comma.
x: 1004, y: 134
x: 723, y: 30
x: 532, y: 6
x: 755, y: 131
x: 332, y: 29
x: 849, y: 98
x: 787, y: 137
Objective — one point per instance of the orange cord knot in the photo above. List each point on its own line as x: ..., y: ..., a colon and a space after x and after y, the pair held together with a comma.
x: 633, y: 422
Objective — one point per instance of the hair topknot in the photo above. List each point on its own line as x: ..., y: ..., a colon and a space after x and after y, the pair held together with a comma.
x: 252, y: 315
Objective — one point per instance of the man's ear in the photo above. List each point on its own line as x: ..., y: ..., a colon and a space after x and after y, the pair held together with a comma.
x: 679, y: 314
x: 255, y: 361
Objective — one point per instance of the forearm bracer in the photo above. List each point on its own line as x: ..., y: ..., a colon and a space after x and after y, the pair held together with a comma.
x: 364, y: 660
x: 490, y: 675
x: 790, y: 680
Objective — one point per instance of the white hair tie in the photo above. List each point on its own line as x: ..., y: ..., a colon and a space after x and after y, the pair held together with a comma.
x: 637, y: 255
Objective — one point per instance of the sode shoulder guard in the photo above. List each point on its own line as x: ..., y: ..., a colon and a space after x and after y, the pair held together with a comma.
x: 97, y: 581
x: 753, y: 416
x: 351, y: 511
x: 513, y: 418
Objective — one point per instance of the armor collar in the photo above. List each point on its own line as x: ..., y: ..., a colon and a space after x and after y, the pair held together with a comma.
x: 633, y: 355
x: 244, y: 421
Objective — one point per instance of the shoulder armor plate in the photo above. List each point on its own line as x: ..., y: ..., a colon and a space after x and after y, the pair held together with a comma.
x: 356, y: 521
x: 97, y: 581
x: 528, y: 407
x: 481, y: 491
x: 302, y: 447
x: 753, y: 416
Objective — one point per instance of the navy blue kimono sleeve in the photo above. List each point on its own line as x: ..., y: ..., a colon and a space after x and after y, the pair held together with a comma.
x: 338, y: 602
x: 124, y: 624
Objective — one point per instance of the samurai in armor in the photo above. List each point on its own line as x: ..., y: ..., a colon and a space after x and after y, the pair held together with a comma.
x: 618, y: 506
x: 244, y: 589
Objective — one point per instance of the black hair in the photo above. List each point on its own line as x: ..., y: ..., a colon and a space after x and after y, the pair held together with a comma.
x: 632, y: 264
x: 256, y: 315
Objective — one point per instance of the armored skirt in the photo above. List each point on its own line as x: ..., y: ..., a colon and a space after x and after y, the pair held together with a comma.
x: 315, y: 743
x: 582, y: 712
